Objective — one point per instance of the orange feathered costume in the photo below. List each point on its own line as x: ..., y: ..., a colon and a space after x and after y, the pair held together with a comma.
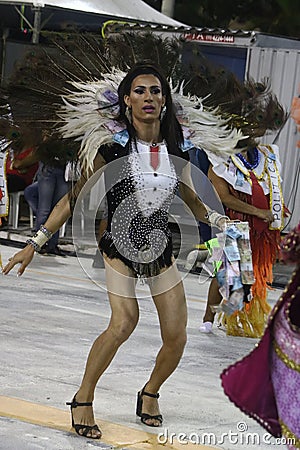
x: 255, y: 187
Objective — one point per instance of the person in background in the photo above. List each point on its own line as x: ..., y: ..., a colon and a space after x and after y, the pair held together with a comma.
x: 249, y: 186
x: 265, y: 384
x: 22, y: 159
x: 31, y: 195
x: 50, y: 186
x: 200, y: 159
x: 19, y: 161
x: 21, y: 167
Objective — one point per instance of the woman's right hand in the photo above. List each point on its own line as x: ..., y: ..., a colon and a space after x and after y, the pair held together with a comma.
x: 23, y: 257
x: 265, y: 214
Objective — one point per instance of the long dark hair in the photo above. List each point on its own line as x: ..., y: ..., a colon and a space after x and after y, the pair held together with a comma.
x: 170, y: 127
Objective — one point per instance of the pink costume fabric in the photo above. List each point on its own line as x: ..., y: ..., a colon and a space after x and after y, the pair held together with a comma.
x: 265, y: 384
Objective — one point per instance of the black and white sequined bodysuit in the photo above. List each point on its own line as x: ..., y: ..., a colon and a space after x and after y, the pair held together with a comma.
x: 138, y: 199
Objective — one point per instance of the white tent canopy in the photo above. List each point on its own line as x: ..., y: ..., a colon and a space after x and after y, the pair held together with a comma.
x: 135, y: 10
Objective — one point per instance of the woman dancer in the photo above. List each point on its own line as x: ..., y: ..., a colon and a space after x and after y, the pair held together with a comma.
x: 147, y: 167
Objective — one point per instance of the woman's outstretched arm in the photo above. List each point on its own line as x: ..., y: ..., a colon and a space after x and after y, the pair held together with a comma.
x: 59, y: 215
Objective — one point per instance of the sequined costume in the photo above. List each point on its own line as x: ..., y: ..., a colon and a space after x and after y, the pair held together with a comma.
x: 259, y: 186
x: 139, y: 197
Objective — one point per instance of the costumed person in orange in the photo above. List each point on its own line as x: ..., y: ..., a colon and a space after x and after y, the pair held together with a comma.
x: 249, y: 187
x: 272, y: 396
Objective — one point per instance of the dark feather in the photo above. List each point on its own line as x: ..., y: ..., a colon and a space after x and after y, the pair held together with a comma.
x: 32, y: 98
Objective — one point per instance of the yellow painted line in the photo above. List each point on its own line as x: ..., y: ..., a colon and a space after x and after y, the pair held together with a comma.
x: 113, y: 434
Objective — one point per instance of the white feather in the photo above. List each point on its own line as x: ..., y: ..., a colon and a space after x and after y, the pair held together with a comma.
x: 85, y: 121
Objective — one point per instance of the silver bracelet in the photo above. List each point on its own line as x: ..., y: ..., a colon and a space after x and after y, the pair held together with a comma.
x: 33, y: 244
x: 214, y: 217
x: 46, y: 232
x: 39, y: 239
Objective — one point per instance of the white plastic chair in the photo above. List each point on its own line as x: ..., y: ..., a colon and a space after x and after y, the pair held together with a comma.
x: 14, y: 209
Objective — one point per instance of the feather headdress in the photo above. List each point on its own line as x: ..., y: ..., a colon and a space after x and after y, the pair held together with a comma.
x: 89, y: 115
x: 250, y: 106
x: 68, y: 89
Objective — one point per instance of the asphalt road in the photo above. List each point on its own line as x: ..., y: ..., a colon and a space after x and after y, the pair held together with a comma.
x: 49, y: 319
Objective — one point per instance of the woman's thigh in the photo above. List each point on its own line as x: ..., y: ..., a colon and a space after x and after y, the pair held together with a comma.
x: 120, y: 283
x: 169, y: 298
x: 120, y: 279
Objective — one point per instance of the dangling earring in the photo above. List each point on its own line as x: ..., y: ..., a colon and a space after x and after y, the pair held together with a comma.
x: 128, y: 114
x: 163, y: 112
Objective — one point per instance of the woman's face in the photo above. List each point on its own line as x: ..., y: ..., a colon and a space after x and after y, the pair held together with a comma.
x: 145, y: 99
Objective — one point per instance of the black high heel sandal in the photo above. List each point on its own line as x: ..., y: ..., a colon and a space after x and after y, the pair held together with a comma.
x: 145, y: 416
x: 85, y: 429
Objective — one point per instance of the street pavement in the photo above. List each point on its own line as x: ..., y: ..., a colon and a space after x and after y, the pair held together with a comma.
x: 49, y: 319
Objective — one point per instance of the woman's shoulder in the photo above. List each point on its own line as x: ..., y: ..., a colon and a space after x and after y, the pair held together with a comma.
x: 179, y: 150
x: 112, y: 151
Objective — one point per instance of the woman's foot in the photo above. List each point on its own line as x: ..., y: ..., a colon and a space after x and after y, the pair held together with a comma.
x: 206, y: 327
x: 148, y: 409
x: 150, y: 406
x: 83, y: 419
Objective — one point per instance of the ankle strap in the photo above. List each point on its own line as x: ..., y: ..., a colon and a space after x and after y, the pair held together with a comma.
x: 74, y: 404
x: 149, y: 394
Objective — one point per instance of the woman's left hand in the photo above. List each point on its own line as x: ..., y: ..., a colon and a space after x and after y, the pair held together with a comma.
x: 223, y: 223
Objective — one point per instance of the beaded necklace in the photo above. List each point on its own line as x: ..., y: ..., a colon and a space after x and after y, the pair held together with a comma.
x: 247, y: 164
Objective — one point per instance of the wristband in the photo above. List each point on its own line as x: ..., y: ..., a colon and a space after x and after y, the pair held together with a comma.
x: 46, y: 232
x: 33, y: 244
x: 39, y: 239
x: 214, y: 217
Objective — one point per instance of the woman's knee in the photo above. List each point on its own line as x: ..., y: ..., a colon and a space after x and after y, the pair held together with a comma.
x: 176, y: 340
x: 121, y: 329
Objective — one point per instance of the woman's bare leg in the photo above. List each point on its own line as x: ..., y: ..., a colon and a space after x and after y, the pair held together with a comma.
x: 172, y: 312
x: 214, y: 299
x: 124, y: 318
